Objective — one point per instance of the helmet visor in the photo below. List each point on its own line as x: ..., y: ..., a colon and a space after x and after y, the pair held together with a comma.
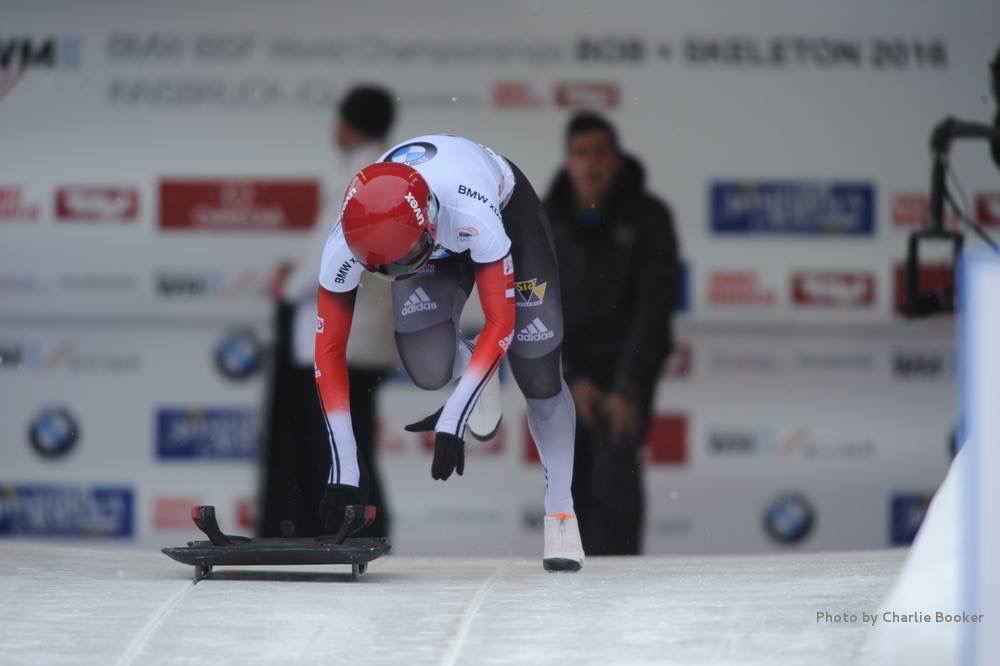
x: 408, y: 264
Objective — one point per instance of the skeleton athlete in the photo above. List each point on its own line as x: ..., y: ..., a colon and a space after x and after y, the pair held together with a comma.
x: 436, y: 215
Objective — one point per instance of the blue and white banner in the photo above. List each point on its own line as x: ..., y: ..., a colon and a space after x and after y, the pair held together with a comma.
x: 793, y: 207
x: 215, y: 433
x: 66, y: 511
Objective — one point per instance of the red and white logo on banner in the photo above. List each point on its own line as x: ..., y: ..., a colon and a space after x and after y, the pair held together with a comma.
x: 739, y: 288
x: 238, y: 205
x: 516, y: 95
x: 909, y: 210
x: 88, y: 203
x: 14, y: 208
x: 843, y: 289
x: 988, y: 208
x: 587, y: 95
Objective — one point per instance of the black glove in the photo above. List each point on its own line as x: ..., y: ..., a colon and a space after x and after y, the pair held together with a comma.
x: 425, y: 424
x: 449, y: 455
x: 336, y: 498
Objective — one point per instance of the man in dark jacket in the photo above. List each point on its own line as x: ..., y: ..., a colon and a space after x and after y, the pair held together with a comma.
x: 619, y: 274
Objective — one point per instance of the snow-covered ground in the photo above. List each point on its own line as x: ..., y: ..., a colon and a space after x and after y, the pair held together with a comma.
x: 112, y: 605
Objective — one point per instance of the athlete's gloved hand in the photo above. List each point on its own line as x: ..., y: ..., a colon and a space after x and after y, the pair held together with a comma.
x: 336, y: 498
x: 425, y: 424
x: 449, y: 456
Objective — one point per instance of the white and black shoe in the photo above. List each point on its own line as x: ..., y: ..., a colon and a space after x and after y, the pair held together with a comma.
x: 563, y: 548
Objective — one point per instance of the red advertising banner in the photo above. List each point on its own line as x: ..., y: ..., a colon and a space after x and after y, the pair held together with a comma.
x: 835, y: 289
x: 238, y: 205
x: 90, y: 203
x: 516, y: 95
x: 15, y: 208
x: 988, y: 208
x: 587, y: 95
x: 666, y: 441
x: 739, y: 288
x: 909, y: 211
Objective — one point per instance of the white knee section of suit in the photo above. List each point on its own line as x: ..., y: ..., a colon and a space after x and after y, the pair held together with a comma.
x: 463, y: 354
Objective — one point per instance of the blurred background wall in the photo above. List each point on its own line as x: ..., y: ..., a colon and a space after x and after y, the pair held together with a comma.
x: 158, y: 160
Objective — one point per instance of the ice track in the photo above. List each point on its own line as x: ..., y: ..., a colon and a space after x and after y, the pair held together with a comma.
x: 112, y: 605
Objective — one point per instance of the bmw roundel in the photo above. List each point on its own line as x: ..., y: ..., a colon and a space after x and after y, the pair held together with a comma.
x: 239, y: 355
x: 53, y: 432
x: 789, y: 519
x: 413, y: 153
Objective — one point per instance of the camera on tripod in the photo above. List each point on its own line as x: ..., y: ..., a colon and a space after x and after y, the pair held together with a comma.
x: 921, y: 302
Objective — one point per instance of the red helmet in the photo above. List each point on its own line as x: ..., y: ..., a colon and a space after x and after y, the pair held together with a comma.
x: 389, y: 219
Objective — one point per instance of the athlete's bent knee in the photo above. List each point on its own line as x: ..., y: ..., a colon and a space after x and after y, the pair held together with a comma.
x: 538, y: 378
x: 428, y: 355
x: 429, y: 379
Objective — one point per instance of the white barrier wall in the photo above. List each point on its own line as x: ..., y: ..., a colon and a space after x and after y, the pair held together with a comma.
x: 160, y: 160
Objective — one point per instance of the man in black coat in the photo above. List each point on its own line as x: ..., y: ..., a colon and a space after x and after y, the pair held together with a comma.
x: 619, y: 274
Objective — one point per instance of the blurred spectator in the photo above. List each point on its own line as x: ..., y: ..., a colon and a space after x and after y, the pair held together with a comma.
x: 619, y: 275
x: 297, y: 454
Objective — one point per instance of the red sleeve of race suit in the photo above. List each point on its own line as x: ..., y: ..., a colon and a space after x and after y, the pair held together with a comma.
x: 333, y: 327
x: 495, y: 283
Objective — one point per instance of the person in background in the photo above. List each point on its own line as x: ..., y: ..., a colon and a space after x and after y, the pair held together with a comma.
x: 296, y: 453
x: 618, y: 266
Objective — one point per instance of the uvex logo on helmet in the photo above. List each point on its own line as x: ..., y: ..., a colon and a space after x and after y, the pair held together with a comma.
x: 351, y: 191
x: 419, y: 214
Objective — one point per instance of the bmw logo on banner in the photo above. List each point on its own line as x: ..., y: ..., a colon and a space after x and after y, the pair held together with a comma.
x: 413, y: 153
x: 239, y: 355
x: 53, y: 432
x: 789, y: 519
